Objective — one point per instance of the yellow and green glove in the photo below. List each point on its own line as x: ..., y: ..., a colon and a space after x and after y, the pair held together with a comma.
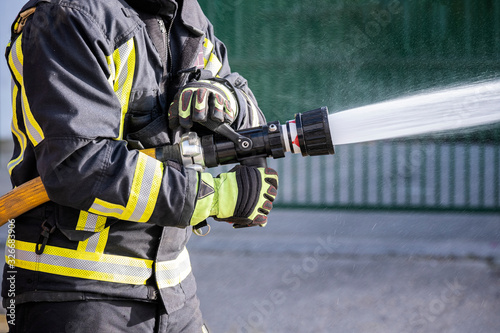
x: 201, y: 100
x: 243, y: 196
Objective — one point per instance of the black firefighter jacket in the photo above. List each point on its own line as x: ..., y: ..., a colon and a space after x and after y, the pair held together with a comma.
x: 90, y: 79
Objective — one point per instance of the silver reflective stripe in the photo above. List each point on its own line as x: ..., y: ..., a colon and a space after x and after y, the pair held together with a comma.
x: 82, y: 264
x: 143, y: 193
x: 148, y: 181
x: 207, y: 49
x: 107, y: 211
x: 92, y: 243
x: 91, y: 222
x: 85, y: 265
x: 15, y: 57
x: 15, y: 60
x: 124, y: 52
x: 29, y: 125
x: 21, y: 138
x: 213, y: 65
x: 212, y: 62
x: 172, y: 272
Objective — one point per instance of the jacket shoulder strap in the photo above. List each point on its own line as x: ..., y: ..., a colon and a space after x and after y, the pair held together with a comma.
x: 18, y: 25
x: 27, y: 10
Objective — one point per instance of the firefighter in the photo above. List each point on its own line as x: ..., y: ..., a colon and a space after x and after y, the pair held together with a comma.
x: 95, y: 81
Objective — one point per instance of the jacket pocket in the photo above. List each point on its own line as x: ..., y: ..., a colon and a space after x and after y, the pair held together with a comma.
x: 146, y: 126
x: 154, y: 134
x: 80, y: 225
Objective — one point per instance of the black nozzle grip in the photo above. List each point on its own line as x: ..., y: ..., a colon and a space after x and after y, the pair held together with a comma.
x: 169, y: 152
x: 240, y: 141
x: 256, y: 162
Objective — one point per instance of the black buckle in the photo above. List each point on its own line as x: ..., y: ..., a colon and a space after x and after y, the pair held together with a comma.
x: 47, y: 229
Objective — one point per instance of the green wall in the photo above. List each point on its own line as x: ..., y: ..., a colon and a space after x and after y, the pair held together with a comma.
x: 298, y: 55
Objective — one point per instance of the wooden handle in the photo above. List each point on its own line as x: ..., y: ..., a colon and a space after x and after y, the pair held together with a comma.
x: 31, y: 195
x: 22, y: 199
x: 151, y: 152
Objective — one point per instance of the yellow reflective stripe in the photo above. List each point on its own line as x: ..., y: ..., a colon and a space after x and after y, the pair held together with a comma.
x: 143, y: 194
x: 95, y: 243
x: 112, y: 70
x: 21, y: 138
x: 207, y: 49
x: 101, y: 241
x: 95, y: 223
x: 210, y: 60
x: 82, y: 245
x: 90, y: 222
x: 121, y: 65
x: 33, y: 130
x: 124, y: 58
x: 101, y: 267
x: 85, y: 265
x: 16, y: 61
x: 172, y: 272
x: 213, y: 64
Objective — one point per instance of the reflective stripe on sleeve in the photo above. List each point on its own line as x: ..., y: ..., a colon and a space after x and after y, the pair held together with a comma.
x: 121, y: 65
x: 94, y: 223
x: 16, y: 61
x: 90, y: 222
x: 212, y: 63
x: 207, y: 49
x: 18, y: 134
x: 172, y: 272
x: 143, y: 194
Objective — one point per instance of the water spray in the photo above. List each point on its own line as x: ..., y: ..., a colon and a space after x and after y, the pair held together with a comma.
x: 316, y: 132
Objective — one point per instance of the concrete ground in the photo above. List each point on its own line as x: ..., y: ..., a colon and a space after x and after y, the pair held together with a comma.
x: 352, y: 272
x: 349, y: 271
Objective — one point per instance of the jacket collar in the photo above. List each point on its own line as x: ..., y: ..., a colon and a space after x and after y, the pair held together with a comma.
x: 193, y: 18
x: 166, y: 8
x: 190, y: 12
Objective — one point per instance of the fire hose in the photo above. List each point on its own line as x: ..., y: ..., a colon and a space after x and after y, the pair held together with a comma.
x: 308, y: 134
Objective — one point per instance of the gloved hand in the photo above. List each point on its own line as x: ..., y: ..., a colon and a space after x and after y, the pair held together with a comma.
x: 242, y: 196
x: 201, y: 100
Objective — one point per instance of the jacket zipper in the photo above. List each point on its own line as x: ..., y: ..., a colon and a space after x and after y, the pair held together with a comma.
x: 166, y: 41
x: 168, y: 66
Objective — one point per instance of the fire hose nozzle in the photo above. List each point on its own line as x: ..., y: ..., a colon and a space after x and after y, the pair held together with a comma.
x: 308, y: 134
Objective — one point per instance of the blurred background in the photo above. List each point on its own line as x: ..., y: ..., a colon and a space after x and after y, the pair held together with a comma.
x: 298, y: 56
x: 388, y: 236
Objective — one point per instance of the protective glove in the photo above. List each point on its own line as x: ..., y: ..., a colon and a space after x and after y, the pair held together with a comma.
x: 202, y: 100
x: 242, y: 196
